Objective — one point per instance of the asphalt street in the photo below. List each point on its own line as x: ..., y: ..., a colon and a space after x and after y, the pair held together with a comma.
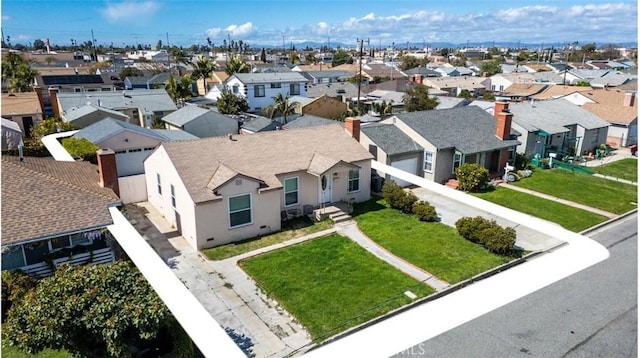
x: 592, y: 313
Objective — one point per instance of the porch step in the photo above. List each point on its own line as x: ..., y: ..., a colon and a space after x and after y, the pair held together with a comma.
x: 340, y: 218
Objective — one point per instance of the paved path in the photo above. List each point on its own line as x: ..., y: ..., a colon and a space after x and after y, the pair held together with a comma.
x: 350, y: 230
x: 616, y: 179
x: 559, y: 200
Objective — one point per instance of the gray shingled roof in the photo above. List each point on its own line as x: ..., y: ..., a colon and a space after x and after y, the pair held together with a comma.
x: 143, y: 99
x: 99, y: 131
x: 173, y: 134
x: 342, y: 74
x: 74, y: 113
x: 469, y: 129
x: 308, y: 120
x: 261, y: 156
x: 344, y: 89
x: 269, y: 77
x: 451, y: 102
x: 42, y: 197
x: 390, y: 139
x: 189, y: 113
x: 553, y: 116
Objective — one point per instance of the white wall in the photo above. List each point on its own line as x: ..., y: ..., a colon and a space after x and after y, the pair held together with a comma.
x: 133, y: 189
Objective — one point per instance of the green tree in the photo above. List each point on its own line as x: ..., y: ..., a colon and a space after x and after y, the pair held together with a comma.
x: 417, y: 99
x: 465, y: 94
x: 281, y: 105
x: 18, y: 73
x: 263, y: 56
x: 493, y: 51
x: 100, y: 310
x: 490, y: 67
x: 237, y: 65
x: 49, y: 126
x: 409, y: 62
x: 582, y: 83
x: 341, y: 57
x: 488, y: 96
x: 310, y: 59
x: 229, y: 103
x: 472, y: 177
x: 203, y: 68
x: 129, y: 72
x: 179, y: 91
x: 81, y: 147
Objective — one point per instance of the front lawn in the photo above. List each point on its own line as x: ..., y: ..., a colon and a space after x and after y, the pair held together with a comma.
x: 623, y: 169
x: 435, y: 247
x: 13, y: 352
x: 297, y: 228
x: 585, y: 189
x: 568, y: 217
x: 331, y: 284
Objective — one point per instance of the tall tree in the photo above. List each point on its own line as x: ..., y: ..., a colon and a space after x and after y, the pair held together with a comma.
x: 263, y: 56
x: 179, y: 91
x: 203, y: 68
x: 280, y: 105
x: 18, y: 73
x: 237, y: 65
x: 229, y: 103
x: 341, y: 57
x: 490, y: 67
x: 417, y: 99
x: 409, y: 62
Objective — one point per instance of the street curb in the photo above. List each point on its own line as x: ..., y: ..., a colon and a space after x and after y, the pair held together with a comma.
x: 587, y: 231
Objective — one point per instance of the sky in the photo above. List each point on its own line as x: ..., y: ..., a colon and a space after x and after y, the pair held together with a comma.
x: 274, y: 22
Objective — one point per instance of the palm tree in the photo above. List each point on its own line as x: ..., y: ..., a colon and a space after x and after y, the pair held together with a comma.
x: 203, y: 68
x: 281, y: 105
x: 18, y: 73
x: 237, y: 65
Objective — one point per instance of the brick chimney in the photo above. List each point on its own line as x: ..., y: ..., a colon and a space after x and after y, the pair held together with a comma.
x: 38, y: 91
x: 53, y: 97
x: 108, y: 170
x: 352, y: 125
x: 629, y: 98
x: 503, y: 120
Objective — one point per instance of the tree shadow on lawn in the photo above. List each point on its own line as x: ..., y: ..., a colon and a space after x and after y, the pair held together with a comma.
x: 374, y: 204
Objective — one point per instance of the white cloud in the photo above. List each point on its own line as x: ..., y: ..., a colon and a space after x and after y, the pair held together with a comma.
x: 243, y: 30
x: 130, y: 10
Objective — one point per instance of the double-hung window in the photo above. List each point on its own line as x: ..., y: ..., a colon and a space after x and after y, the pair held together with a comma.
x: 291, y: 191
x: 428, y: 161
x: 258, y: 91
x: 294, y: 89
x: 235, y: 89
x: 159, y: 183
x: 354, y: 180
x: 240, y: 210
x: 457, y: 160
x: 173, y: 197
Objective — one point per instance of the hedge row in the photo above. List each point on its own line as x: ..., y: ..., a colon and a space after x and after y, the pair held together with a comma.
x: 407, y: 202
x: 495, y: 238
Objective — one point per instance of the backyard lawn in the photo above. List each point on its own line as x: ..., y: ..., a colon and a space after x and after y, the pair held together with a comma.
x: 331, y: 284
x: 585, y: 189
x: 296, y: 228
x: 623, y: 169
x: 434, y: 247
x: 13, y: 352
x: 568, y: 217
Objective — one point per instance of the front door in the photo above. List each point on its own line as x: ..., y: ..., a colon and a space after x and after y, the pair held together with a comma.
x: 325, y: 188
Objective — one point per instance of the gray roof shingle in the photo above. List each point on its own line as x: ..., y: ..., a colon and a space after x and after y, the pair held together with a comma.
x: 108, y: 127
x: 553, y: 116
x: 269, y: 77
x: 390, y: 139
x: 149, y: 100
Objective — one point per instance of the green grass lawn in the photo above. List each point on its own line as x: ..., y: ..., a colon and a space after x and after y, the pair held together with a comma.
x: 623, y: 169
x: 434, y: 247
x: 568, y: 217
x: 331, y: 284
x: 13, y: 352
x: 297, y: 228
x: 585, y: 189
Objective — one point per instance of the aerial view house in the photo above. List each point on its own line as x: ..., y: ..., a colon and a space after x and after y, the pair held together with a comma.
x: 89, y: 114
x: 201, y: 122
x: 618, y: 107
x: 143, y: 107
x: 55, y: 212
x: 432, y: 144
x: 23, y: 108
x: 476, y: 86
x: 342, y: 91
x: 324, y: 106
x: 260, y: 88
x: 220, y: 190
x: 557, y: 126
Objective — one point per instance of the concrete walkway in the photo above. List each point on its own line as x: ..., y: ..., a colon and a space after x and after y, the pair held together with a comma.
x: 559, y: 200
x: 350, y: 230
x: 616, y: 179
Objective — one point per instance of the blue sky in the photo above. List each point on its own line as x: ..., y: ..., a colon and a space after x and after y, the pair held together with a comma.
x: 270, y: 22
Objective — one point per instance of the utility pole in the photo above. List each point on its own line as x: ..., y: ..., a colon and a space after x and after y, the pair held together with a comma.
x: 360, y: 71
x: 95, y: 49
x: 168, y: 53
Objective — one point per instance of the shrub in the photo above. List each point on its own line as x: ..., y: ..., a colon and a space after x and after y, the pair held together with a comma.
x: 406, y: 202
x: 82, y: 148
x: 425, y: 211
x: 15, y: 284
x: 472, y: 177
x: 470, y: 228
x: 502, y: 241
x: 397, y: 198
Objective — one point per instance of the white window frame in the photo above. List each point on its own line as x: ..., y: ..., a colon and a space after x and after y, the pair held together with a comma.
x: 297, y: 191
x: 428, y: 154
x: 235, y: 89
x: 356, y: 180
x: 294, y: 89
x: 459, y: 160
x: 173, y: 196
x: 258, y: 91
x: 159, y: 183
x: 236, y: 211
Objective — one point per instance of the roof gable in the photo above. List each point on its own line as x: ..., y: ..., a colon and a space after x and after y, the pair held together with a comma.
x: 554, y: 116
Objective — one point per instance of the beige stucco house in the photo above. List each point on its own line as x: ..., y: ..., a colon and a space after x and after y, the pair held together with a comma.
x: 225, y: 189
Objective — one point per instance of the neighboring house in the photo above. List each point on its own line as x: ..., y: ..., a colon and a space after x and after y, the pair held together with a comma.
x: 307, y: 120
x: 325, y: 106
x: 419, y: 73
x: 376, y: 70
x: 221, y: 190
x: 255, y: 124
x: 446, y: 71
x: 619, y: 108
x: 432, y: 144
x: 326, y: 76
x: 260, y: 88
x: 507, y: 68
x: 576, y: 75
x: 132, y: 144
x: 90, y: 114
x: 11, y: 134
x: 149, y: 82
x: 143, y: 107
x: 557, y: 91
x: 23, y: 108
x: 477, y: 86
x: 450, y: 102
x: 55, y: 212
x: 201, y: 122
x: 77, y: 82
x: 216, y: 80
x: 612, y: 80
x: 519, y: 92
x: 557, y: 126
x: 342, y: 91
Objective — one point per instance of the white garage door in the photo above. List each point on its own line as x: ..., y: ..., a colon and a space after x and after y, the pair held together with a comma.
x: 408, y: 165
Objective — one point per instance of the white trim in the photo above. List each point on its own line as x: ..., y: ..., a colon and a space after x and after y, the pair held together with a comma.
x: 349, y: 180
x: 424, y: 161
x: 250, y: 210
x: 55, y: 147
